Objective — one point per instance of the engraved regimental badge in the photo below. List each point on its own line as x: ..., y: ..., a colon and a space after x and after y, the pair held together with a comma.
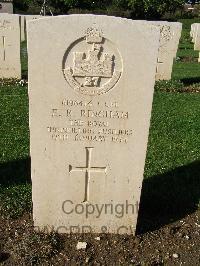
x: 92, y: 65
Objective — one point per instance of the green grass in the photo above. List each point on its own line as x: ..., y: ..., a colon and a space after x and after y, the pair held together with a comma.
x: 187, y: 72
x: 24, y: 59
x: 172, y: 185
x: 188, y: 53
x: 15, y: 192
x: 174, y: 136
x: 14, y: 123
x: 171, y: 189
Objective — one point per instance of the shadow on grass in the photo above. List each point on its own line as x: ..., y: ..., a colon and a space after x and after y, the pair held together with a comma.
x: 169, y: 197
x: 25, y: 74
x: 24, y: 60
x: 190, y: 81
x: 15, y: 172
x: 165, y: 198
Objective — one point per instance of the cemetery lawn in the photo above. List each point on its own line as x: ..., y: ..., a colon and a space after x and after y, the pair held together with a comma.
x: 169, y: 226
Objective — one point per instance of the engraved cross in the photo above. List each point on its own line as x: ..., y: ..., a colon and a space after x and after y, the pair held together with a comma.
x: 88, y: 169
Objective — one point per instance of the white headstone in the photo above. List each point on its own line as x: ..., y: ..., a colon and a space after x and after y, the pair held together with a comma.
x: 197, y: 40
x: 170, y: 33
x: 29, y: 18
x: 196, y: 37
x: 193, y: 31
x: 91, y: 82
x: 6, y: 6
x: 10, y: 65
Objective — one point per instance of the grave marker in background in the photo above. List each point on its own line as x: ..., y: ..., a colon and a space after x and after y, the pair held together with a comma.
x: 6, y: 6
x: 193, y: 32
x: 195, y: 35
x: 170, y: 33
x: 91, y: 82
x: 10, y: 65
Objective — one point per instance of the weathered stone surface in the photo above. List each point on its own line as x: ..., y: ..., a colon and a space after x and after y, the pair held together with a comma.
x: 91, y: 81
x: 193, y: 31
x: 196, y: 37
x: 10, y: 65
x: 6, y: 7
x: 23, y: 22
x: 170, y: 33
x: 29, y: 18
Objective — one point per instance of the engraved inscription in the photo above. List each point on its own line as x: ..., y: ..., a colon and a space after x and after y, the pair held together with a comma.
x: 91, y: 121
x: 88, y: 169
x: 5, y: 25
x: 166, y: 35
x: 94, y: 70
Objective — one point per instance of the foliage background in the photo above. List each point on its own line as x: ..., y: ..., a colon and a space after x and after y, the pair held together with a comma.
x: 153, y: 9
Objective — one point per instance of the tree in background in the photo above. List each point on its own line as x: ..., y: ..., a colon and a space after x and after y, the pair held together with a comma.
x: 138, y: 8
x: 22, y: 4
x: 151, y: 8
x: 80, y: 4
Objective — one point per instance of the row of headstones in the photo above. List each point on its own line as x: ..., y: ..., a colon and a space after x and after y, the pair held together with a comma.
x: 13, y: 30
x: 195, y: 35
x: 12, y: 33
x: 91, y: 83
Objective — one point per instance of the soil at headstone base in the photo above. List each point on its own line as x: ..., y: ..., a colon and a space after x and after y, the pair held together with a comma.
x: 174, y: 244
